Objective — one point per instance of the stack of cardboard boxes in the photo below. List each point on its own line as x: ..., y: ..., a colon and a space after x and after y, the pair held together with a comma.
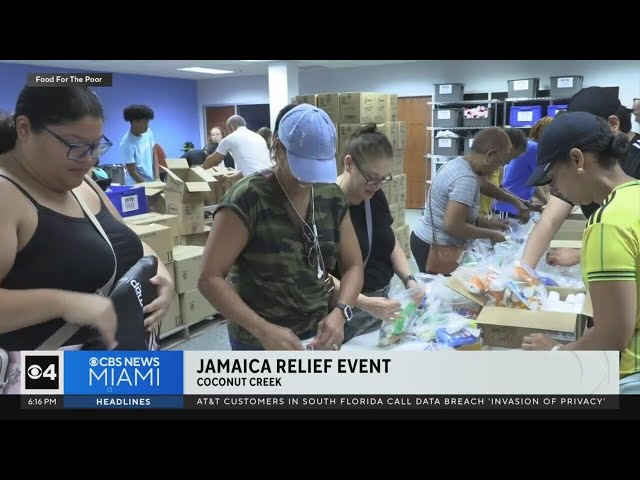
x: 162, y: 233
x: 349, y: 111
x: 175, y: 229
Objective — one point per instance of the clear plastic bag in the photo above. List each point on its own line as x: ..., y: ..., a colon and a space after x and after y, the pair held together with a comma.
x: 392, y: 332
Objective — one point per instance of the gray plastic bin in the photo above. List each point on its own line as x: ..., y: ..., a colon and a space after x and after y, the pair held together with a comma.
x: 448, y: 92
x: 523, y: 88
x: 447, y: 146
x: 468, y: 142
x: 565, y: 86
x: 447, y: 117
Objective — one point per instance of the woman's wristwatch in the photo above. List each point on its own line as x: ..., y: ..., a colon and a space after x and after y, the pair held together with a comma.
x: 406, y: 279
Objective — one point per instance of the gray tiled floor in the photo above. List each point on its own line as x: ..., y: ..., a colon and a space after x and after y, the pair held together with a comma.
x: 212, y: 335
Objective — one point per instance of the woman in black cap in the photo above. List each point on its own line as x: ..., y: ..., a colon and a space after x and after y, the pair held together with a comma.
x: 580, y: 155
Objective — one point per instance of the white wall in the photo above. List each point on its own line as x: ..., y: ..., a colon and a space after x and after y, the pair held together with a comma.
x: 230, y: 91
x: 417, y: 78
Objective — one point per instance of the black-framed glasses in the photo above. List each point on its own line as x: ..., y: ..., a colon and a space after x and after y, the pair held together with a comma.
x: 372, y: 182
x: 77, y: 151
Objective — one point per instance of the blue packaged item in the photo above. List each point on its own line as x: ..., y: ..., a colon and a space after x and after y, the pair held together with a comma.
x: 549, y: 282
x: 457, y: 339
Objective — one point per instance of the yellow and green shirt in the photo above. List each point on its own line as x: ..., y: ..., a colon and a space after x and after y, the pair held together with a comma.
x: 611, y: 253
x: 486, y: 203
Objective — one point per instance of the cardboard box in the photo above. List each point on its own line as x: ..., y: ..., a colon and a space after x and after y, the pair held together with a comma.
x: 505, y: 327
x: 170, y: 221
x: 225, y: 179
x: 158, y: 237
x: 197, y: 239
x: 568, y: 235
x: 172, y: 319
x: 194, y: 307
x: 330, y: 103
x: 358, y: 107
x: 345, y: 130
x: 401, y: 189
x: 382, y: 102
x: 391, y: 101
x: 402, y: 135
x: 170, y: 268
x: 398, y: 214
x: 154, y: 192
x: 566, y: 244
x: 398, y: 162
x: 185, y: 192
x: 311, y: 99
x: 187, y: 266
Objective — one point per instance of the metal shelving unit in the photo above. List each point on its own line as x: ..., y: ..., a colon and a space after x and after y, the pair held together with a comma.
x: 436, y: 161
x: 457, y: 128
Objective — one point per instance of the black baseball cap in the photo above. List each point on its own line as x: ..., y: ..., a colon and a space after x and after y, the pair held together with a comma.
x: 567, y: 131
x: 596, y: 100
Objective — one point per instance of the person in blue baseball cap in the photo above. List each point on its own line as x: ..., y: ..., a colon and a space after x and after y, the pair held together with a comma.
x: 580, y: 155
x: 278, y: 233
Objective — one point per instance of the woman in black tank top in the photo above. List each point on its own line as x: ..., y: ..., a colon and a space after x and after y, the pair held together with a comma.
x: 52, y: 257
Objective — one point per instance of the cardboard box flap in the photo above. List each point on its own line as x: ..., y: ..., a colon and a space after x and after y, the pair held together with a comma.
x: 142, y: 230
x: 177, y: 164
x: 458, y: 287
x: 183, y: 252
x: 538, y: 320
x: 152, y: 188
x: 197, y: 187
x: 206, y: 175
x: 566, y: 244
x: 146, y: 218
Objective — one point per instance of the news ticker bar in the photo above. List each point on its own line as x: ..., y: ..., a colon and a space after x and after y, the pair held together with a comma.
x: 70, y: 79
x: 323, y: 402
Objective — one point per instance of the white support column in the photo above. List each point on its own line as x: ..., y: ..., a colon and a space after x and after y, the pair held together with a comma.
x: 283, y: 85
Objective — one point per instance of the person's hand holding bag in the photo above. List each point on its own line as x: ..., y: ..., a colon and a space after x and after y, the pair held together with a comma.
x: 156, y: 310
x: 93, y: 310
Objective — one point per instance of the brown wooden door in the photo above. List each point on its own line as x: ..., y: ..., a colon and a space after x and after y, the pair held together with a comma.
x: 217, y: 117
x: 417, y: 114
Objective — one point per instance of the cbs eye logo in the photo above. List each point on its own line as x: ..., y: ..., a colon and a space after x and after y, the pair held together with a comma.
x: 42, y: 372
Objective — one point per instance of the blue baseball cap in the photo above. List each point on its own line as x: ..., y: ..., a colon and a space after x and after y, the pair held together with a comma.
x: 567, y: 131
x: 309, y: 136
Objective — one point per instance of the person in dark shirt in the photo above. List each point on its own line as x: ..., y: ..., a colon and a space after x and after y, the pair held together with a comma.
x: 367, y: 167
x: 194, y: 156
x: 602, y: 103
x: 215, y: 137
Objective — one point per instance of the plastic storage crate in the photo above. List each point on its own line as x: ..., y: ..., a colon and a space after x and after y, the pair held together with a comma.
x: 552, y: 110
x: 447, y: 117
x: 480, y: 116
x: 523, y: 88
x: 447, y: 146
x: 449, y: 92
x: 468, y: 142
x: 128, y: 201
x: 525, y: 116
x: 566, y: 86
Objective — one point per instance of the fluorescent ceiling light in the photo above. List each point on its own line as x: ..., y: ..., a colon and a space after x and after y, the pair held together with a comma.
x: 212, y: 71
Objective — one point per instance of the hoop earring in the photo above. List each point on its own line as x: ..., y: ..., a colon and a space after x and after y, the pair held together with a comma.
x: 487, y: 161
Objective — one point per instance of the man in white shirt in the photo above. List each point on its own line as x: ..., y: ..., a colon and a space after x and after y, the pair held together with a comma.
x: 249, y: 149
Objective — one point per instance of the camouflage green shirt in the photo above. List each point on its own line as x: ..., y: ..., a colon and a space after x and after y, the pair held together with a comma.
x: 273, y: 274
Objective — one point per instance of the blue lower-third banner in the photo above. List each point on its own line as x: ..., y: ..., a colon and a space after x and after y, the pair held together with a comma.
x: 123, y: 401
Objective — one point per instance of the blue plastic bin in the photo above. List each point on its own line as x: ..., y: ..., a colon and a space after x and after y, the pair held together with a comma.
x: 525, y: 116
x: 552, y: 110
x: 128, y: 201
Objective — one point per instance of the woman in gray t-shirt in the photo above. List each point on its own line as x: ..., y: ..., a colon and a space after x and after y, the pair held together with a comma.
x: 454, y: 198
